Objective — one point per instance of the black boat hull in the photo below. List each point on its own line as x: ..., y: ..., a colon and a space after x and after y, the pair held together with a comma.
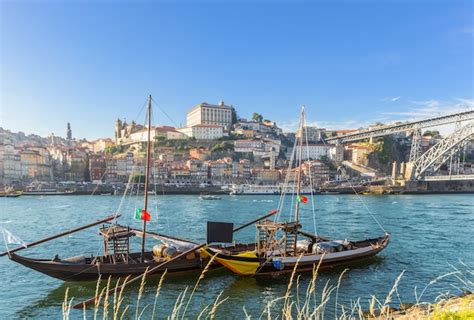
x: 70, y: 271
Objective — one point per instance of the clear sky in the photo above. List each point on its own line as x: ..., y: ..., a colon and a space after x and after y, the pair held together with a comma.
x: 350, y: 62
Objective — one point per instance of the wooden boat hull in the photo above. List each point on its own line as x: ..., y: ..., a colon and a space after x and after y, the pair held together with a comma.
x: 72, y: 271
x: 87, y: 271
x: 365, y: 249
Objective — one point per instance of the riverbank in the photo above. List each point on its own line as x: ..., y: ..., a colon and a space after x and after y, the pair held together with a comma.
x: 451, y: 308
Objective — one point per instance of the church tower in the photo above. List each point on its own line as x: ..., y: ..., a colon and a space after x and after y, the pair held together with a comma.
x: 69, y: 132
x: 118, y: 130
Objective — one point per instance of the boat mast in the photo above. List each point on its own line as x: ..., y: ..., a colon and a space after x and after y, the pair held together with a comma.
x: 298, y: 186
x: 147, y: 173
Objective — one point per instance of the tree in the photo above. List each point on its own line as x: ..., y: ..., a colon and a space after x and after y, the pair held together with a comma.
x: 234, y: 115
x: 257, y: 117
x: 87, y: 173
x: 138, y: 178
x: 385, y: 152
x: 435, y: 134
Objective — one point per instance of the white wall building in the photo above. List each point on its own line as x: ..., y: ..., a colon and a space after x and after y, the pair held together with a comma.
x: 316, y: 151
x: 10, y: 163
x: 210, y: 114
x: 312, y: 134
x: 203, y: 131
x: 248, y: 145
x: 169, y: 133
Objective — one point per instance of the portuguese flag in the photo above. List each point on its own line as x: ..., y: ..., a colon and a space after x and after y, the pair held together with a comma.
x: 141, y: 214
x: 302, y: 199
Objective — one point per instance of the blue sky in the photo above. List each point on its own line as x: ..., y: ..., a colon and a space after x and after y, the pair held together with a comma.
x: 350, y: 62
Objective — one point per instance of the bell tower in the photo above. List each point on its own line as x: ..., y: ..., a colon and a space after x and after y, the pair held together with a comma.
x: 118, y: 130
x: 69, y: 132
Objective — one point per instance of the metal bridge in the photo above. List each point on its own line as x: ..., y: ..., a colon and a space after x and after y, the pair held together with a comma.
x: 420, y: 165
x: 431, y: 160
x: 455, y: 177
x: 403, y: 127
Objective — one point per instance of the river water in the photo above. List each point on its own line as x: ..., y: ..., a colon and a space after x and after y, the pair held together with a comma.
x: 430, y: 235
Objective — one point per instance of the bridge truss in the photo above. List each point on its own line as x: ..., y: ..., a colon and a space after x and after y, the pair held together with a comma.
x: 403, y: 127
x: 445, y: 149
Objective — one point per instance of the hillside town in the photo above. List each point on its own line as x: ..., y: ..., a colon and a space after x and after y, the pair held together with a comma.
x: 215, y: 148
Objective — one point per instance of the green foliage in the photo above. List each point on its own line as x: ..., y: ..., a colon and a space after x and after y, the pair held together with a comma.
x: 234, y: 115
x: 138, y: 178
x: 243, y: 155
x: 257, y: 117
x: 222, y: 146
x: 87, y: 173
x: 160, y: 138
x: 433, y: 133
x: 114, y: 149
x: 325, y: 159
x: 384, y: 150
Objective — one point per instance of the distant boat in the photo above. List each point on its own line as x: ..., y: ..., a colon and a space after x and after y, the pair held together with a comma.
x: 209, y: 197
x: 328, y: 192
x: 9, y: 192
x: 254, y: 189
x: 46, y: 192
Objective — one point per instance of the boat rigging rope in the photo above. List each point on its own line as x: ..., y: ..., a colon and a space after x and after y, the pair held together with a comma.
x: 311, y: 183
x: 364, y: 204
x: 164, y: 112
x: 127, y: 187
x: 124, y: 195
x: 285, y: 184
x: 361, y: 200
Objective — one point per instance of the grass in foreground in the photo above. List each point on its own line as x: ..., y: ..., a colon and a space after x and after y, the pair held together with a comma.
x: 291, y: 305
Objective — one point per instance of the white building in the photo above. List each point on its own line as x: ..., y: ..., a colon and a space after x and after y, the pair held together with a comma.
x: 248, y: 145
x: 261, y: 148
x: 169, y: 133
x: 210, y: 114
x: 316, y: 151
x: 124, y: 166
x: 312, y: 134
x: 203, y: 131
x: 10, y: 163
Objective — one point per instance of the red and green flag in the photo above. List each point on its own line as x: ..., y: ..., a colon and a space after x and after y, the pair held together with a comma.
x: 302, y: 199
x: 141, y: 214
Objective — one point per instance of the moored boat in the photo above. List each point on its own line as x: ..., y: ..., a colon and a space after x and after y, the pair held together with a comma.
x: 46, y: 192
x: 254, y: 189
x: 278, y: 249
x: 170, y: 253
x: 9, y: 192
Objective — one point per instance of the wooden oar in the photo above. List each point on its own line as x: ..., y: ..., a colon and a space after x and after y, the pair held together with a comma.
x: 111, y: 291
x: 65, y: 233
x: 271, y: 213
x: 139, y: 233
x: 149, y: 271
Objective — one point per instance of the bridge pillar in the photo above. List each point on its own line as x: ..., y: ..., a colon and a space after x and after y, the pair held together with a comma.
x: 394, y: 171
x: 402, y: 169
x: 415, y: 151
x: 409, y: 170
